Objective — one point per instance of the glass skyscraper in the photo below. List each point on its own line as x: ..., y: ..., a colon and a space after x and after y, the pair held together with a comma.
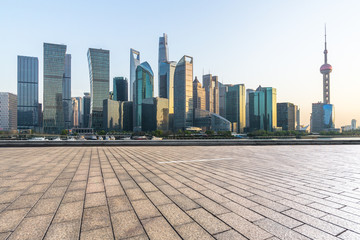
x: 86, y: 110
x: 183, y: 93
x: 166, y: 83
x: 28, y: 92
x: 54, y: 69
x: 99, y: 72
x: 235, y: 107
x: 67, y: 103
x: 134, y: 62
x: 144, y: 87
x: 120, y: 89
x: 163, y: 53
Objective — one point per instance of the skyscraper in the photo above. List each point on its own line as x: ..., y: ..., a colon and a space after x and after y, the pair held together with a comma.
x: 263, y: 109
x: 286, y: 116
x: 163, y: 50
x: 183, y: 93
x: 144, y: 88
x: 8, y: 111
x: 86, y: 111
x: 67, y: 104
x: 75, y: 113
x: 248, y: 91
x: 54, y: 70
x: 99, y: 71
x: 223, y: 89
x: 353, y: 124
x: 120, y: 89
x: 28, y: 92
x: 134, y: 62
x: 211, y: 85
x: 166, y: 83
x: 198, y: 95
x: 235, y: 107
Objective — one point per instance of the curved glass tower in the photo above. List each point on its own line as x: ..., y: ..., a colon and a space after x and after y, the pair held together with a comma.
x: 144, y: 88
x: 134, y: 62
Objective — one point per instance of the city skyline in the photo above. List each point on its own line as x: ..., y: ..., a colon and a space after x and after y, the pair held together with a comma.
x: 275, y: 44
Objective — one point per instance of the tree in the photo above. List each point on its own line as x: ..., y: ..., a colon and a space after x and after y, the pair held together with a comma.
x: 64, y: 132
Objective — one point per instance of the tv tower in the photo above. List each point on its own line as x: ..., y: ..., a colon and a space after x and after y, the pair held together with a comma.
x: 325, y: 70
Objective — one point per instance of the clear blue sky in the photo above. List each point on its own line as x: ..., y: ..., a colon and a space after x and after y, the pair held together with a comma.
x: 273, y: 43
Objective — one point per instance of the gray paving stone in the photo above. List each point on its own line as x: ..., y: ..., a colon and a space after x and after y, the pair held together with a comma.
x: 174, y: 214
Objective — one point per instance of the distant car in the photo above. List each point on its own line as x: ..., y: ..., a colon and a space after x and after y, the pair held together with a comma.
x: 38, y: 139
x: 156, y: 138
x: 140, y: 138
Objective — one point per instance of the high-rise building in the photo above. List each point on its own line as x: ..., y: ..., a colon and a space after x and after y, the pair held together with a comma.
x: 166, y: 83
x: 248, y: 91
x: 67, y: 103
x: 120, y: 89
x: 27, y: 92
x: 323, y: 114
x: 8, y: 111
x: 99, y: 71
x: 198, y: 95
x: 211, y: 85
x: 297, y: 118
x: 40, y: 115
x: 134, y: 62
x: 183, y: 93
x: 155, y: 114
x: 75, y: 113
x: 111, y: 115
x: 54, y: 70
x: 163, y: 52
x: 126, y: 116
x: 143, y: 88
x: 235, y: 107
x: 223, y: 89
x: 86, y: 110
x: 263, y: 109
x: 353, y: 124
x: 286, y: 116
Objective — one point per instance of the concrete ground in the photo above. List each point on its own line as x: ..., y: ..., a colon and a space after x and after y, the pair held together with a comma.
x: 193, y: 192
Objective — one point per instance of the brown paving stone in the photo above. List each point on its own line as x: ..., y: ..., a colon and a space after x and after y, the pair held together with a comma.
x: 211, y: 206
x: 32, y: 228
x: 193, y: 231
x: 119, y: 204
x: 126, y: 224
x: 231, y: 234
x: 158, y: 228
x: 135, y: 194
x: 74, y: 196
x: 145, y: 209
x: 4, y: 236
x: 25, y: 201
x: 45, y: 206
x: 184, y: 202
x: 69, y: 212
x: 63, y: 231
x: 212, y: 224
x: 95, y: 199
x: 116, y: 190
x: 9, y: 219
x: 158, y: 198
x: 96, y: 234
x: 54, y: 192
x: 78, y: 185
x: 313, y: 233
x: 174, y: 214
x: 95, y: 217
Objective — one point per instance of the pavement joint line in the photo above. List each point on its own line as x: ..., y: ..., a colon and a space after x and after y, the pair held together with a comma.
x: 197, y: 160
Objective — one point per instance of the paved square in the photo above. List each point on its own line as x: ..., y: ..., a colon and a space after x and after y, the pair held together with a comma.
x: 218, y: 192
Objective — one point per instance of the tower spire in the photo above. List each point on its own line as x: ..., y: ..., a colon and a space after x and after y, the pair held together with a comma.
x: 325, y: 51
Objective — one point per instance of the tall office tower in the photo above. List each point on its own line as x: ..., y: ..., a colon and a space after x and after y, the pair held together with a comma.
x: 211, y: 85
x: 166, y: 83
x: 286, y: 116
x: 86, y: 110
x: 198, y: 95
x: 144, y: 88
x: 263, y: 109
x: 163, y: 52
x: 80, y: 111
x: 75, y: 113
x: 54, y: 70
x: 40, y: 115
x: 183, y: 93
x: 235, y: 107
x: 8, y: 111
x: 353, y: 124
x: 297, y: 118
x: 248, y: 91
x: 67, y: 104
x: 134, y: 62
x: 155, y: 114
x: 99, y: 71
x: 223, y: 89
x: 120, y: 89
x: 28, y: 92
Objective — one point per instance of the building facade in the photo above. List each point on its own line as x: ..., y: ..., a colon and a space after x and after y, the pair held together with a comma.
x: 163, y: 53
x: 75, y: 114
x: 166, y: 83
x: 144, y: 88
x: 54, y: 70
x: 134, y: 63
x: 183, y: 93
x: 223, y: 89
x: 28, y: 92
x: 120, y: 89
x: 353, y: 124
x: 248, y: 91
x: 235, y: 107
x: 67, y: 103
x: 198, y: 95
x: 210, y: 121
x: 155, y: 114
x: 286, y: 116
x: 86, y: 110
x: 8, y: 111
x: 99, y: 72
x: 211, y: 86
x: 263, y: 109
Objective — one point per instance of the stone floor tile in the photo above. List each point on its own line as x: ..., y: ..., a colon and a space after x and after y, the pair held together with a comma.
x: 231, y: 234
x: 97, y: 234
x: 9, y: 219
x: 193, y: 231
x: 95, y: 199
x: 63, y: 231
x: 212, y: 224
x: 25, y: 201
x: 126, y: 225
x: 174, y: 214
x: 45, y: 206
x: 313, y: 233
x: 145, y: 209
x: 69, y: 212
x: 119, y: 204
x: 159, y: 228
x: 74, y: 196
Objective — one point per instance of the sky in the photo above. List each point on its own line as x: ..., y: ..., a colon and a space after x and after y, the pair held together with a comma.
x: 272, y: 43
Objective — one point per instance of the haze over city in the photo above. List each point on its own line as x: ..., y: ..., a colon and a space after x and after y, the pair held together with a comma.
x: 273, y: 44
